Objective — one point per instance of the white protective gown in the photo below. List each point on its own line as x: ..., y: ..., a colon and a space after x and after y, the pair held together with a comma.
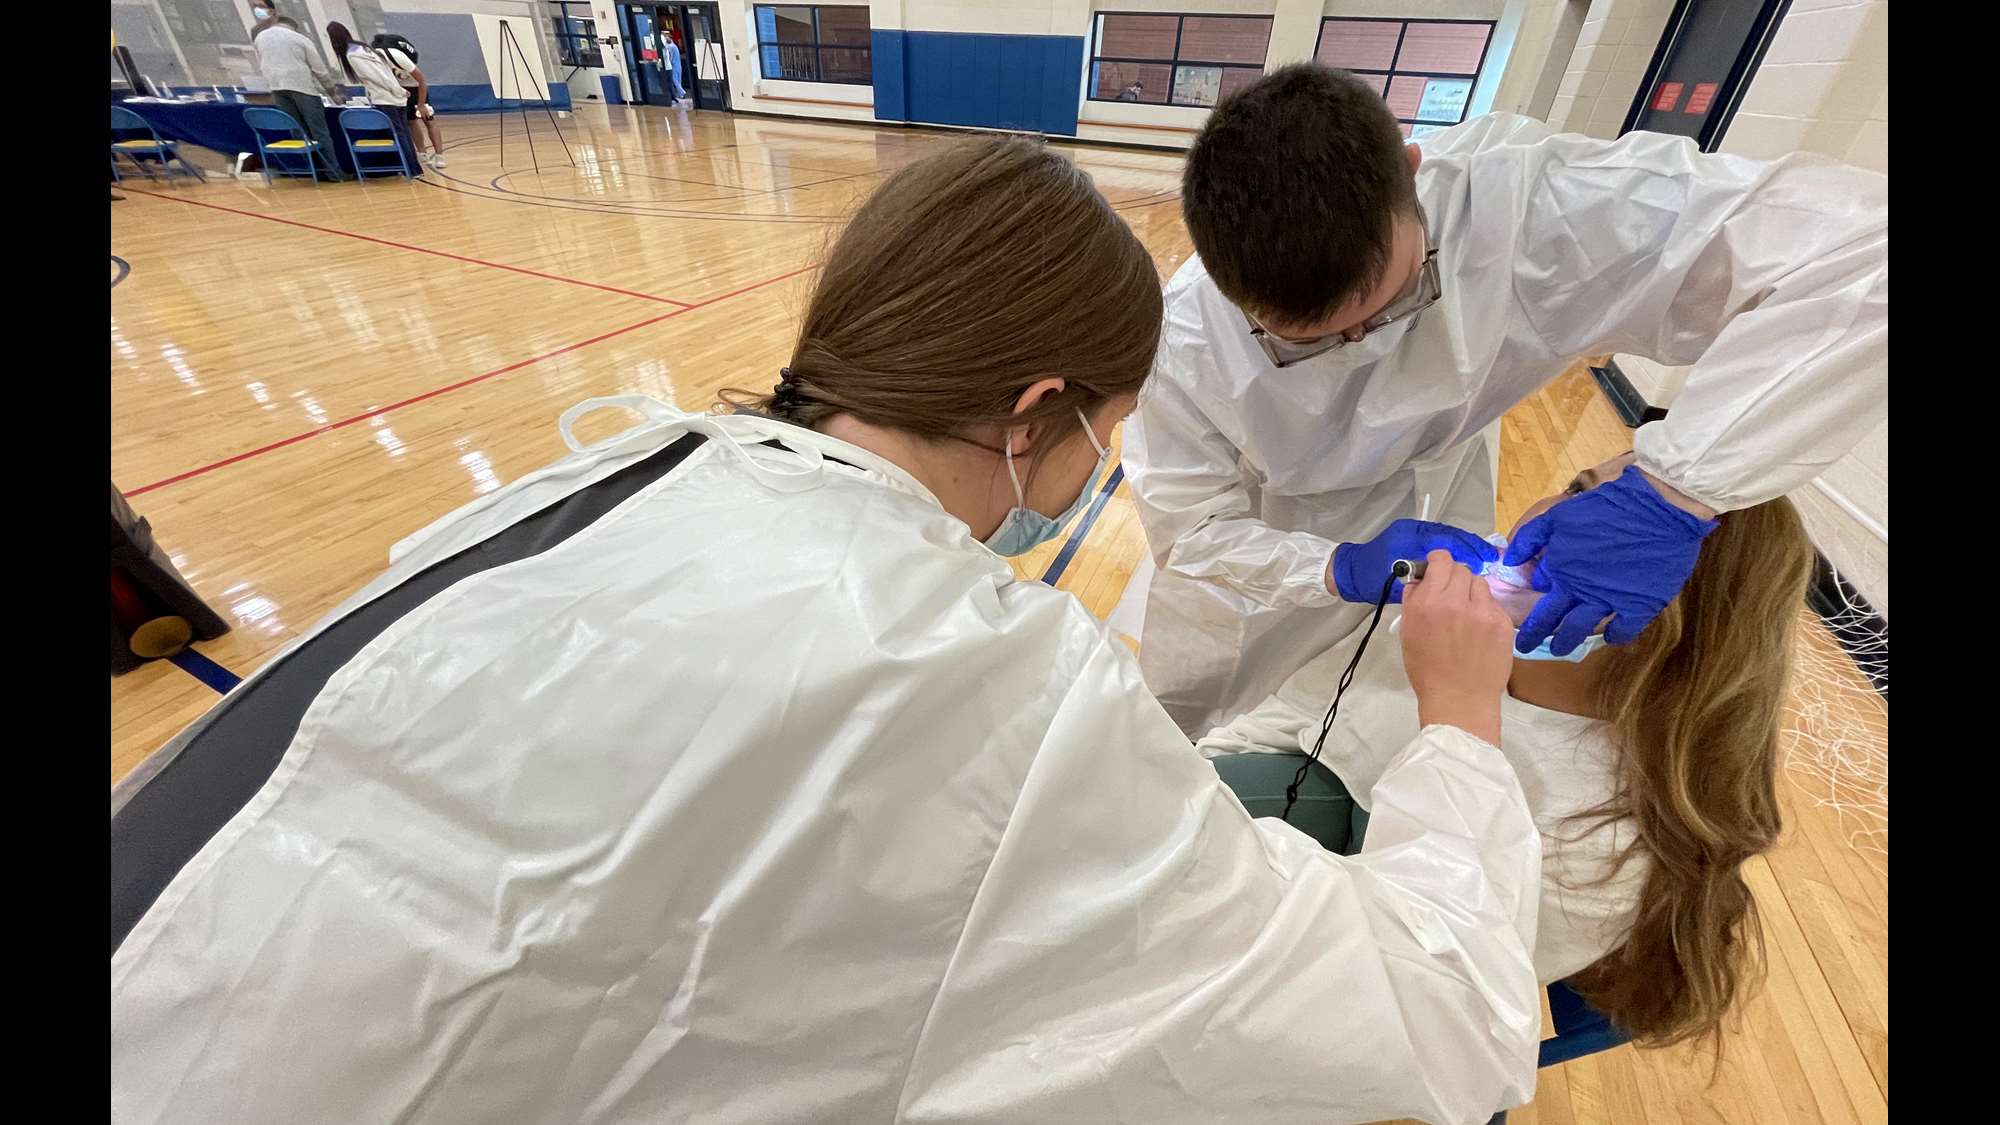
x: 773, y: 796
x: 1567, y: 764
x: 1771, y: 278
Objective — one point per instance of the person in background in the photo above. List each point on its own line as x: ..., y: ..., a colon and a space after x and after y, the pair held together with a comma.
x: 671, y: 40
x: 298, y: 77
x: 417, y: 102
x: 369, y: 69
x: 1131, y: 93
x: 1651, y: 768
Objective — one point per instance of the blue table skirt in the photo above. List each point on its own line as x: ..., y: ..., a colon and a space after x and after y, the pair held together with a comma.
x: 219, y: 126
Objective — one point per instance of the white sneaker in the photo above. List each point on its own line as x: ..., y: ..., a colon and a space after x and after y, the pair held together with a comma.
x: 437, y: 160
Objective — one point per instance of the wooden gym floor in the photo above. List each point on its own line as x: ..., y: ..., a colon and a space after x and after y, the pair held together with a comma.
x: 303, y: 375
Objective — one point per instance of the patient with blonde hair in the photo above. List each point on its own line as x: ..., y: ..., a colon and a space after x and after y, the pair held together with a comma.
x: 1650, y: 768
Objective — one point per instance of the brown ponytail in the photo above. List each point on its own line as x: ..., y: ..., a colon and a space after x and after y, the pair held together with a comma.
x: 1696, y: 704
x: 965, y: 278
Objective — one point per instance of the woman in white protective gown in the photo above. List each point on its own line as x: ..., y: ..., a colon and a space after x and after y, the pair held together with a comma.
x: 768, y: 793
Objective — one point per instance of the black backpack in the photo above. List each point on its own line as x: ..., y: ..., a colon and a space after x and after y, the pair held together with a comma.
x: 389, y: 39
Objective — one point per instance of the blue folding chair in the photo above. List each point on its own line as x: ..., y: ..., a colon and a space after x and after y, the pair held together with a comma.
x: 1580, y: 1030
x: 373, y: 147
x: 292, y: 145
x: 134, y: 138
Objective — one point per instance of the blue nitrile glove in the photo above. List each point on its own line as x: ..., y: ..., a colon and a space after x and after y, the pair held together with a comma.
x: 1618, y: 551
x: 1359, y: 569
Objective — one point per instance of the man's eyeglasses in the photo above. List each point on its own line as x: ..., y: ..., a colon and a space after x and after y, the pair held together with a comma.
x: 1422, y: 292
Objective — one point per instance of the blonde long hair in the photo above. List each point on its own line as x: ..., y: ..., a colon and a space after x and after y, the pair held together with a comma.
x: 1696, y: 705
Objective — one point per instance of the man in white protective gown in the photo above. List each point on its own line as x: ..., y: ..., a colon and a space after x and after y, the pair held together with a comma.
x: 1361, y: 312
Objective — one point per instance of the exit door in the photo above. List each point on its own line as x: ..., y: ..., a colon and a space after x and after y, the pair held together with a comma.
x: 1705, y: 61
x: 655, y: 34
x: 702, y: 40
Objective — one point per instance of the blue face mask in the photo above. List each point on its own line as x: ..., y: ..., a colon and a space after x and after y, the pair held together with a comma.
x: 1514, y: 577
x: 1590, y: 644
x: 1024, y: 528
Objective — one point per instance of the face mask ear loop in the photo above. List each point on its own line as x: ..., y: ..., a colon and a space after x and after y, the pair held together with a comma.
x: 1020, y: 498
x: 1091, y: 434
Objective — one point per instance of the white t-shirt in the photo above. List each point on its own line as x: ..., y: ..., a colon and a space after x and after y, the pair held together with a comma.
x: 1567, y: 765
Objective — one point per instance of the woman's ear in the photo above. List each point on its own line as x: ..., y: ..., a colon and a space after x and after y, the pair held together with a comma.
x: 1019, y: 440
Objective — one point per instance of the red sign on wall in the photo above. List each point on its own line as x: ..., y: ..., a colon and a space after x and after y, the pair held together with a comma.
x: 1702, y: 98
x: 1668, y: 97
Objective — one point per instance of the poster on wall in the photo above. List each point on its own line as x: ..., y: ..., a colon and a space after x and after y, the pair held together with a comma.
x: 1444, y: 99
x: 1197, y: 85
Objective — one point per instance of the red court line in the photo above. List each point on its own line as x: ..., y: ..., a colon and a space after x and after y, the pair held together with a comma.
x: 450, y: 387
x: 418, y: 249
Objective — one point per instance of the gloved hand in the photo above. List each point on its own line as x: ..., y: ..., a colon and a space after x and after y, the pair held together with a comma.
x: 1618, y: 551
x: 1359, y: 569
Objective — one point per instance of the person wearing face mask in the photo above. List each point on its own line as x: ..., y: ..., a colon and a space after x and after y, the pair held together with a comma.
x: 291, y: 64
x: 1651, y: 768
x: 1360, y: 313
x: 725, y: 772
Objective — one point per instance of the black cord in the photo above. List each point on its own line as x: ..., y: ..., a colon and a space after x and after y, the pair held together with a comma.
x: 1346, y: 678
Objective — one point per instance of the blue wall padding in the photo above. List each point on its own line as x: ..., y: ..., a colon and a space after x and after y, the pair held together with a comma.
x: 480, y: 99
x: 1026, y: 82
x: 892, y: 101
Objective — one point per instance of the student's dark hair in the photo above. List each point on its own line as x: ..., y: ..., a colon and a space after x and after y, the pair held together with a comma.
x: 1291, y: 191
x: 342, y: 39
x: 964, y: 279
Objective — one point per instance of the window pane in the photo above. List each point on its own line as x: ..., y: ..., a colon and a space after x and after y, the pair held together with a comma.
x: 785, y: 25
x: 1406, y: 127
x: 1137, y: 37
x: 846, y: 64
x: 1447, y: 48
x: 1444, y: 99
x: 795, y: 63
x: 847, y: 26
x: 1116, y: 81
x: 1379, y: 81
x: 1212, y: 39
x: 1197, y: 85
x: 1358, y: 44
x: 1235, y: 78
x: 1405, y: 94
x: 1419, y: 132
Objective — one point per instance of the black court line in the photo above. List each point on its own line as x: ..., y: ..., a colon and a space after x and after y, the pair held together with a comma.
x: 1082, y: 530
x: 124, y: 268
